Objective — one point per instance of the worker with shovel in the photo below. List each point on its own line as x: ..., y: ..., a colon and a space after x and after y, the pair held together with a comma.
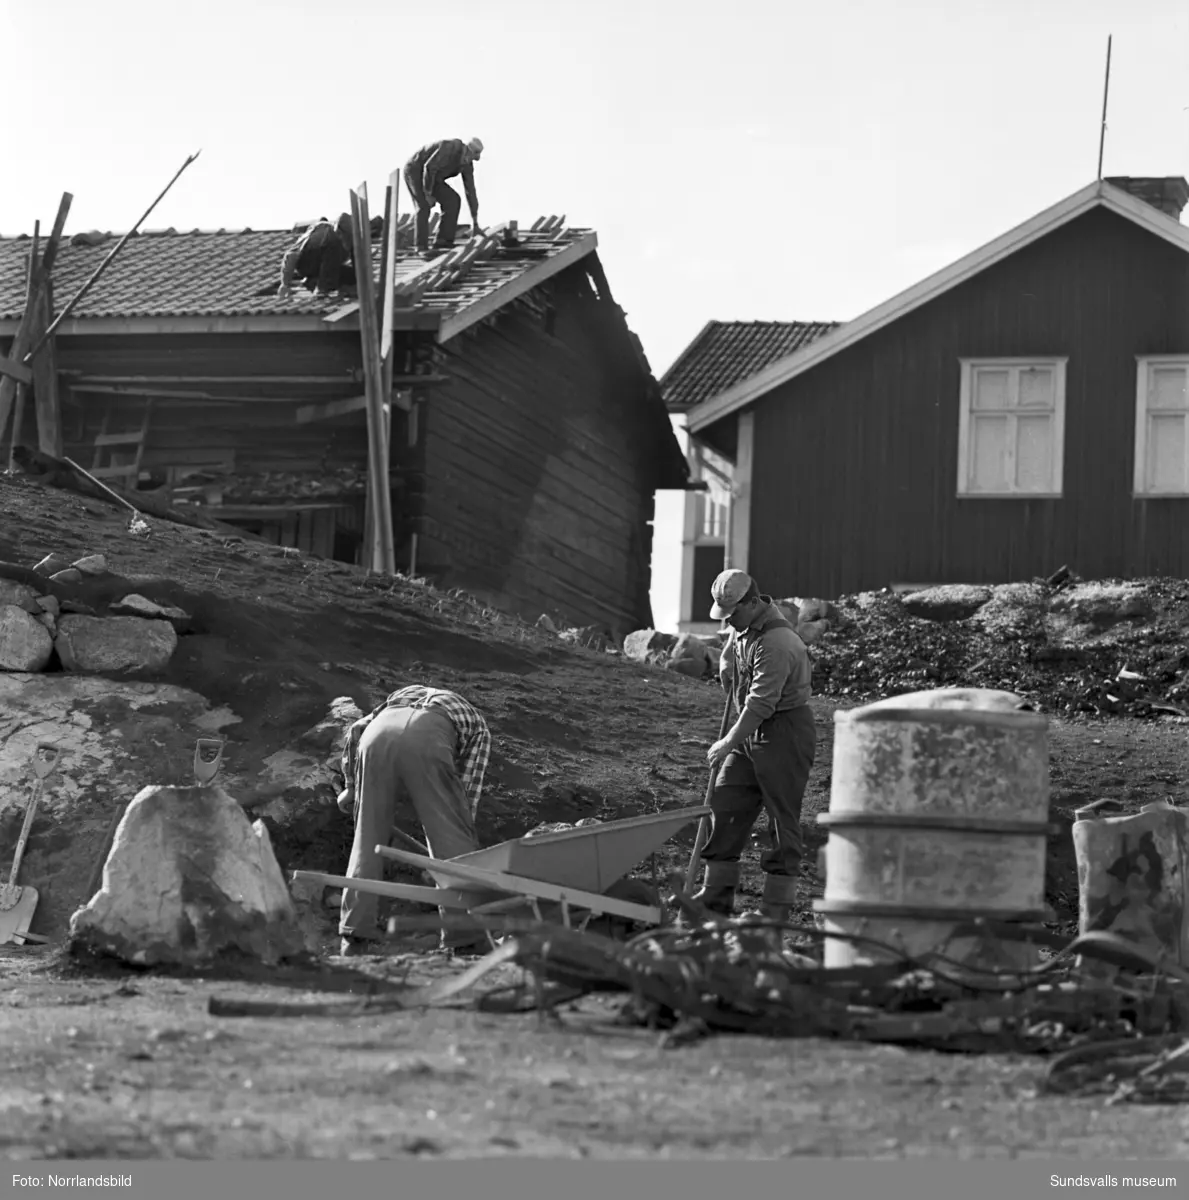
x: 319, y: 257
x: 764, y: 759
x: 425, y: 177
x: 423, y: 745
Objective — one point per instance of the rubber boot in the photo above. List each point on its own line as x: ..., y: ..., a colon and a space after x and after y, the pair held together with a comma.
x: 779, y: 900
x: 719, y: 881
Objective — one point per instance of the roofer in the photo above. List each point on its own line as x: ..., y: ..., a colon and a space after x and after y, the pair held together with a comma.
x: 765, y: 758
x: 425, y: 177
x: 319, y: 256
x: 424, y: 746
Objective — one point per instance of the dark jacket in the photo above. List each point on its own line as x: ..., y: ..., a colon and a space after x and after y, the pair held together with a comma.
x: 766, y: 667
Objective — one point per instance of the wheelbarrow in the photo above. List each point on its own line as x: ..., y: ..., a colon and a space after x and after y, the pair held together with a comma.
x: 572, y: 868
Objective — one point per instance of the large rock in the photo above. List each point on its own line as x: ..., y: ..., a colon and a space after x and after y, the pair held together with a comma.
x: 189, y: 879
x: 115, y: 643
x: 1102, y: 603
x: 816, y: 610
x: 643, y: 644
x: 25, y: 644
x: 20, y: 595
x: 691, y: 656
x: 951, y: 602
x: 811, y: 631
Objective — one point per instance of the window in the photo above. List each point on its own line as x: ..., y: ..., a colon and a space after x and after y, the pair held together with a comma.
x: 1011, y: 429
x: 714, y: 505
x: 712, y: 516
x: 1161, y: 432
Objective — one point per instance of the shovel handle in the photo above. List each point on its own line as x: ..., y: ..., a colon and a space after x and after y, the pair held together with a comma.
x: 205, y: 770
x: 703, y: 834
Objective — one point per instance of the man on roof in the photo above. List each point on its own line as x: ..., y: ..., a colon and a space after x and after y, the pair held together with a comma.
x: 425, y: 177
x: 319, y: 258
x: 763, y: 762
x: 423, y: 746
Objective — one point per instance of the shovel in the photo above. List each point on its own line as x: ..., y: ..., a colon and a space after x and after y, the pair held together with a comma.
x: 17, y: 904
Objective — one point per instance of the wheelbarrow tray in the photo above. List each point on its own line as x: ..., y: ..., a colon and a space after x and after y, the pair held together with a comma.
x: 589, y: 859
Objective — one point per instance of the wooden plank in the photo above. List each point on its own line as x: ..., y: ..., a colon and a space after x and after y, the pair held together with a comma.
x: 520, y: 885
x: 333, y: 408
x: 15, y: 370
x: 335, y: 380
x: 46, y: 401
x: 384, y: 552
x: 21, y: 340
x: 120, y: 439
x: 55, y: 239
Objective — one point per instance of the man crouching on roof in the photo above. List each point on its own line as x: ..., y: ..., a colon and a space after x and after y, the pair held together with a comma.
x: 425, y: 746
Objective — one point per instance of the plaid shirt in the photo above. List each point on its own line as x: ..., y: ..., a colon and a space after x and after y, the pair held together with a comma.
x: 474, y: 738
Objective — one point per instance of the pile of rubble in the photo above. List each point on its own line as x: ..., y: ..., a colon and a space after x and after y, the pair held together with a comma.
x: 1113, y: 647
x: 42, y: 627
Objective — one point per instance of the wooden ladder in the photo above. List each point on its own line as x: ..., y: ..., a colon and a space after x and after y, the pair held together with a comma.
x: 127, y: 472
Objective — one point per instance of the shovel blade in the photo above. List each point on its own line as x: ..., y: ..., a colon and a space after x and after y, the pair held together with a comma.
x: 15, y: 921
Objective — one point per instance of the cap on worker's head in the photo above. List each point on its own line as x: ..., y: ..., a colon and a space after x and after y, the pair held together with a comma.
x: 728, y: 590
x: 476, y: 146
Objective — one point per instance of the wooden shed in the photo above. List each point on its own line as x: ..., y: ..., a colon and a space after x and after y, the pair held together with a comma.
x: 528, y: 436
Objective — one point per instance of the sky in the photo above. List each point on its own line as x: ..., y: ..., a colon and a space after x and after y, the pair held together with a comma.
x: 751, y: 160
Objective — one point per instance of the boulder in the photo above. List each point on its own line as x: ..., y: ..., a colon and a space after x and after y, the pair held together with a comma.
x: 49, y: 604
x: 135, y: 605
x: 544, y: 622
x: 1102, y: 603
x: 114, y: 643
x: 691, y: 656
x: 811, y: 631
x: 69, y: 575
x: 816, y: 610
x: 188, y: 880
x: 91, y: 564
x: 49, y: 621
x: 20, y: 595
x: 642, y: 643
x: 25, y: 645
x: 951, y: 602
x: 52, y: 564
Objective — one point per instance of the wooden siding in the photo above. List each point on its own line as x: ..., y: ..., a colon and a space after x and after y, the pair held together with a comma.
x: 538, y: 476
x: 856, y: 460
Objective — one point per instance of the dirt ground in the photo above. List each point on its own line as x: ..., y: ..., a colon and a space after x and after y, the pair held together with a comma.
x: 128, y: 1064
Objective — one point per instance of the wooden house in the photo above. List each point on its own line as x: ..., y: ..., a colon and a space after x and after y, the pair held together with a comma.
x: 1025, y: 408
x: 528, y: 435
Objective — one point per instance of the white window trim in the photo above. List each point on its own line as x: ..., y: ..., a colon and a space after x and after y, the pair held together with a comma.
x: 1139, y: 488
x: 967, y: 372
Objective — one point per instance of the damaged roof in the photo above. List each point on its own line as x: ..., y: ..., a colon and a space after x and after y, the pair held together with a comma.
x: 727, y: 352
x: 226, y: 274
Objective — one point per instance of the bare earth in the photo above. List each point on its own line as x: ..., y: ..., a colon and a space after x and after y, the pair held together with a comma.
x: 126, y: 1064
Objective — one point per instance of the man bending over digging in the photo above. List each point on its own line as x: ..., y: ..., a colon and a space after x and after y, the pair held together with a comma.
x: 425, y: 746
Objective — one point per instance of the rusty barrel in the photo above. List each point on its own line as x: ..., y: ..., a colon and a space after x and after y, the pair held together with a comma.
x: 938, y: 816
x: 1132, y: 877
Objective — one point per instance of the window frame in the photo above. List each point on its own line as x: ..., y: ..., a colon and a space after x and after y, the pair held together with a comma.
x: 1139, y: 482
x: 967, y: 367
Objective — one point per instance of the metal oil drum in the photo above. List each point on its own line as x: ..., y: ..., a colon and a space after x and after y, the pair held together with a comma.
x: 1132, y: 877
x: 938, y: 816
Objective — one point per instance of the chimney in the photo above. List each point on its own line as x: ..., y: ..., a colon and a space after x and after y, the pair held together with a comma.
x: 1169, y: 193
